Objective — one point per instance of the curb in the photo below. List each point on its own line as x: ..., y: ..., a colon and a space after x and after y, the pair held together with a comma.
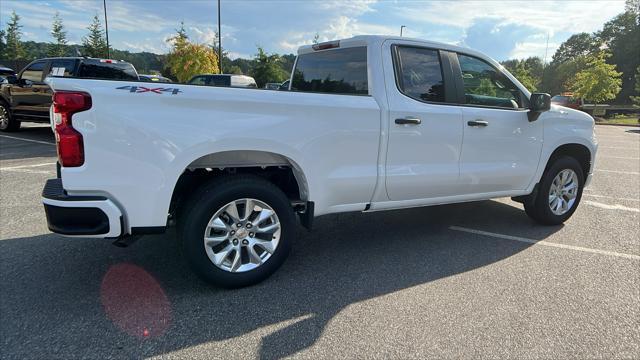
x: 604, y: 123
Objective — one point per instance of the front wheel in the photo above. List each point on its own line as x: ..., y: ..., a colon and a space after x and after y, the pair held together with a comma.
x: 7, y: 122
x: 237, y: 231
x: 559, y: 192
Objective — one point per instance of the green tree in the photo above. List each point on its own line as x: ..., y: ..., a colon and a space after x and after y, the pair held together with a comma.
x: 180, y: 38
x: 187, y: 59
x: 234, y: 69
x: 621, y: 36
x: 528, y: 71
x: 95, y: 44
x: 13, y: 49
x: 581, y: 44
x: 59, y: 46
x: 636, y: 98
x: 267, y: 68
x: 599, y: 81
x: 3, y: 45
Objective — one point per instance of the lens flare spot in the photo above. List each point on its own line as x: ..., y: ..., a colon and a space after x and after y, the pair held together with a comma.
x: 134, y: 301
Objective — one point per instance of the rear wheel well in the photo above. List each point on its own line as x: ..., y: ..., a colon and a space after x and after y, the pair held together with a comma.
x: 577, y: 151
x: 281, y: 176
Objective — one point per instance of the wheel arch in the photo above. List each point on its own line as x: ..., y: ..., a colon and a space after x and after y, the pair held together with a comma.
x: 277, y: 168
x: 577, y: 151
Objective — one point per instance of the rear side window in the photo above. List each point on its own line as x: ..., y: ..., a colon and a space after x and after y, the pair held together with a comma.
x: 339, y: 71
x: 484, y: 85
x: 419, y: 73
x: 62, y: 67
x: 219, y: 81
x: 103, y: 70
x: 198, y: 80
x: 34, y: 72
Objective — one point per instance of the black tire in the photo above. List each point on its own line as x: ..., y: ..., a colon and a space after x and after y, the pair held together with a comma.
x: 207, y: 200
x: 11, y: 124
x: 538, y: 208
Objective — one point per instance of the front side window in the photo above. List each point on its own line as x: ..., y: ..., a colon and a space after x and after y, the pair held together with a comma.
x: 339, y: 71
x: 34, y: 72
x: 484, y: 85
x: 419, y: 74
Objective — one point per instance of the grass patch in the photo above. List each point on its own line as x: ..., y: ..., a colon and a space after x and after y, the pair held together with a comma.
x: 620, y: 120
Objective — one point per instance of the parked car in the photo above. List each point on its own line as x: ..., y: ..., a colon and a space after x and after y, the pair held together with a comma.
x: 272, y: 86
x: 154, y: 78
x: 371, y: 123
x: 4, y: 72
x: 568, y: 101
x: 27, y: 98
x: 224, y: 80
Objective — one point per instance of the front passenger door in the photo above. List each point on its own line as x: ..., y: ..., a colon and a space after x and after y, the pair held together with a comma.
x: 501, y: 148
x: 31, y: 97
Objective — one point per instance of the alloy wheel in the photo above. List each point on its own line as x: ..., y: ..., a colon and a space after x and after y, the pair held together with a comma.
x: 242, y: 235
x: 563, y: 192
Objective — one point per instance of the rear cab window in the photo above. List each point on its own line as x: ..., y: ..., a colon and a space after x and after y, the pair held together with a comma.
x: 62, y: 67
x: 99, y: 69
x: 336, y: 71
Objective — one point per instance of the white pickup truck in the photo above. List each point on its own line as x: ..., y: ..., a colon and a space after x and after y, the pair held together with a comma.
x: 369, y: 123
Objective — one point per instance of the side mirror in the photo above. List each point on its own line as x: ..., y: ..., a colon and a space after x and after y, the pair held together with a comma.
x: 538, y: 103
x: 12, y: 79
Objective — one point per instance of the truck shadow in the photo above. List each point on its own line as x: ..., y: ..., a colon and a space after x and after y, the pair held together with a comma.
x: 349, y: 258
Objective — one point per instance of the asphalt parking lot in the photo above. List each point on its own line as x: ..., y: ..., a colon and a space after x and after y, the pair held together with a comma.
x: 476, y: 280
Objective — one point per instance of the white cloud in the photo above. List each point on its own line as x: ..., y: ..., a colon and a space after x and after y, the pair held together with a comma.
x: 339, y: 28
x: 526, y: 49
x: 550, y: 16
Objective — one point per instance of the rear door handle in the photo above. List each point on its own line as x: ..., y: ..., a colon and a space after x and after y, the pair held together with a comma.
x: 480, y: 123
x: 409, y: 120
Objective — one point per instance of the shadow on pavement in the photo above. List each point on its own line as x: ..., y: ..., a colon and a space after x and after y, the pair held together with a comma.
x: 633, y: 131
x: 53, y: 288
x: 11, y: 148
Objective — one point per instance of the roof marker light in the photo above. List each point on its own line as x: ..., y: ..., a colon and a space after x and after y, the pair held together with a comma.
x: 326, y: 45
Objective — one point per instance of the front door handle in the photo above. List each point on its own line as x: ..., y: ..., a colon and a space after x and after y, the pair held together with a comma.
x: 480, y: 123
x: 409, y: 120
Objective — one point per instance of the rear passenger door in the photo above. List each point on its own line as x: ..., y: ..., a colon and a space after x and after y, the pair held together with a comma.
x: 425, y: 123
x: 501, y: 148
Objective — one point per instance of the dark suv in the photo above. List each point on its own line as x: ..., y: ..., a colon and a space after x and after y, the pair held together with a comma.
x: 26, y: 97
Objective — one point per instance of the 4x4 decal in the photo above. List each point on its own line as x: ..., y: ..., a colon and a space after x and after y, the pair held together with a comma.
x: 142, y: 89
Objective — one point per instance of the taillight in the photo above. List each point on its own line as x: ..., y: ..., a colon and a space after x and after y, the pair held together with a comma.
x: 69, y: 140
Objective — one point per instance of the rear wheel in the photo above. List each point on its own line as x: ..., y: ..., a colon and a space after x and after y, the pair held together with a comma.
x: 559, y: 192
x: 237, y: 231
x: 7, y: 121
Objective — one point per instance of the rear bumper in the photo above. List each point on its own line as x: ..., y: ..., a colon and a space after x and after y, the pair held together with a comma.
x: 86, y: 216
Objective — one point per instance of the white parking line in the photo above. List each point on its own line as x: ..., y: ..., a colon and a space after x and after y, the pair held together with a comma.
x: 611, y: 207
x: 25, y: 166
x: 29, y: 140
x: 545, y: 243
x: 619, y: 172
x: 609, y: 197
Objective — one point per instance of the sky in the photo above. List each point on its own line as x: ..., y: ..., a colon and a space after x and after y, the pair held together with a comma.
x: 502, y: 29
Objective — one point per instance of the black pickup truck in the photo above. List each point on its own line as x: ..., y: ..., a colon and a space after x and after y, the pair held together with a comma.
x: 27, y: 98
